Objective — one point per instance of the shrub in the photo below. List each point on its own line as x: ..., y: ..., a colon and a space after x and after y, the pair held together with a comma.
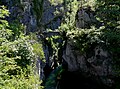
x: 16, y: 58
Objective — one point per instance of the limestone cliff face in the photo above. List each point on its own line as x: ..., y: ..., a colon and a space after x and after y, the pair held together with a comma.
x: 85, y: 18
x: 95, y: 63
x: 22, y: 11
x: 49, y: 19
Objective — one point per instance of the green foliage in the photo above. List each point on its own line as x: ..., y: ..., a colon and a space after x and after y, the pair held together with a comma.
x: 21, y: 82
x: 16, y: 57
x: 38, y: 9
x: 17, y: 29
x: 5, y: 33
x: 71, y: 8
x: 37, y: 46
x: 38, y: 50
x: 3, y: 12
x: 51, y: 81
x: 83, y: 39
x: 109, y: 12
x: 56, y: 2
x: 54, y: 41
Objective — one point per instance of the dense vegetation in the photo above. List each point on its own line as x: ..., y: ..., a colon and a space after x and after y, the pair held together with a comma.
x: 104, y: 32
x: 18, y: 52
x: 17, y: 60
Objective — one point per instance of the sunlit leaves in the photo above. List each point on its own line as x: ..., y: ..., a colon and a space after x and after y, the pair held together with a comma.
x: 37, y: 49
x: 16, y: 56
x: 56, y: 2
x: 3, y: 12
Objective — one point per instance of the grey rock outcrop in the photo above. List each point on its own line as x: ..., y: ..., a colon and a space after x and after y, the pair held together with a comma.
x: 98, y: 65
x: 85, y: 18
x: 22, y: 11
x: 49, y: 19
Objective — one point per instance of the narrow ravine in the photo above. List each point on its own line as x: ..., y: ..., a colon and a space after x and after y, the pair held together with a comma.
x: 76, y: 43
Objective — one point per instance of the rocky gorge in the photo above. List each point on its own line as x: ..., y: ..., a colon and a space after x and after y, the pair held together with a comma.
x: 91, y: 69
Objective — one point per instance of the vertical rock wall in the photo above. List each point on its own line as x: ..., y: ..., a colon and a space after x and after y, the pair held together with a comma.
x: 49, y: 19
x: 23, y: 12
x: 96, y: 63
